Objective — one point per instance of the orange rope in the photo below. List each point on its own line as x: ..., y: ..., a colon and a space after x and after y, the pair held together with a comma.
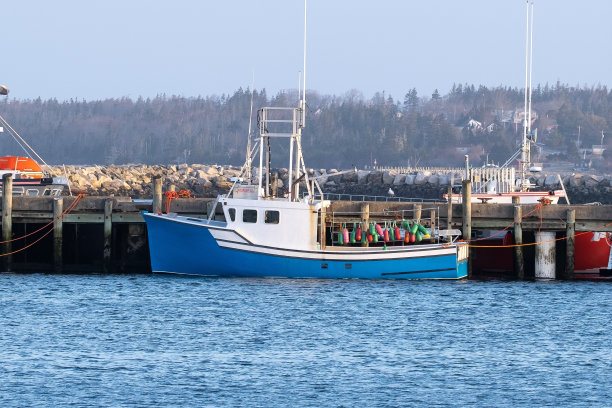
x: 542, y: 242
x: 66, y: 211
x: 537, y: 207
x: 171, y: 195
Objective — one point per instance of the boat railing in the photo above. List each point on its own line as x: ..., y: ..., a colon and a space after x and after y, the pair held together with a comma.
x: 374, y: 198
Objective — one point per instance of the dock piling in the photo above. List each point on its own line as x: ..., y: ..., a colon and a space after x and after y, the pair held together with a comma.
x: 570, y: 244
x: 108, y: 233
x: 7, y: 220
x: 545, y: 255
x: 157, y: 194
x: 519, y: 263
x: 365, y: 219
x: 58, y: 233
x: 432, y: 226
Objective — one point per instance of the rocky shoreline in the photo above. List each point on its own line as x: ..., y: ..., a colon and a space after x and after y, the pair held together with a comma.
x: 135, y: 180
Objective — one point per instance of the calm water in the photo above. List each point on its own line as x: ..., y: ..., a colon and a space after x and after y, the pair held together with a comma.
x: 165, y: 341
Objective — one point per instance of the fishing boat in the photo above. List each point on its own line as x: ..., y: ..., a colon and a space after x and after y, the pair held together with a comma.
x: 260, y: 233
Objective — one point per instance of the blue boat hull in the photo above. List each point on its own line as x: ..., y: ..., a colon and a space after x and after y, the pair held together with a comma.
x: 184, y: 248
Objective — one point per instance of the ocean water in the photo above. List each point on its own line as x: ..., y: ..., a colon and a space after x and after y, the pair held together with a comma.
x: 165, y: 341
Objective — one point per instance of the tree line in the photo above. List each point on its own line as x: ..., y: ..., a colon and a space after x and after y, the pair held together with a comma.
x: 341, y: 131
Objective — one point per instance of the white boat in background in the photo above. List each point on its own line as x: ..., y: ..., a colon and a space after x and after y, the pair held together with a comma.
x: 29, y: 178
x: 500, y: 186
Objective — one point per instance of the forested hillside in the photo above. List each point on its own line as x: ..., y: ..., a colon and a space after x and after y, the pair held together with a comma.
x: 342, y: 131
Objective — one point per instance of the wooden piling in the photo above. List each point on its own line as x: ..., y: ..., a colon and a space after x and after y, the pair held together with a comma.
x: 365, y: 220
x: 58, y: 234
x: 322, y: 229
x: 157, y: 194
x: 108, y: 234
x: 418, y: 208
x: 519, y: 263
x: 7, y: 220
x: 570, y: 244
x: 432, y: 226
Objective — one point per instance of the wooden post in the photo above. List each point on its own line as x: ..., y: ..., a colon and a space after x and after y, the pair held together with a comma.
x: 570, y: 247
x: 432, y: 226
x: 519, y: 262
x: 466, y: 206
x: 449, y: 212
x: 157, y: 194
x: 322, y: 234
x: 7, y: 219
x: 108, y: 233
x: 365, y: 220
x: 58, y: 234
x: 417, y: 213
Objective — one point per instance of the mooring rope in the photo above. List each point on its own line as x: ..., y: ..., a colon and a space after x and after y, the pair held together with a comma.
x: 66, y: 211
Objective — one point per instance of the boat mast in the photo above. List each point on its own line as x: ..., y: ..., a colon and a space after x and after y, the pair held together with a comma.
x: 525, y: 145
x: 299, y: 163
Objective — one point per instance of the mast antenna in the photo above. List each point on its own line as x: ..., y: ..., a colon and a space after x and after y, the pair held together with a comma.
x: 525, y: 146
x: 248, y: 150
x: 303, y: 100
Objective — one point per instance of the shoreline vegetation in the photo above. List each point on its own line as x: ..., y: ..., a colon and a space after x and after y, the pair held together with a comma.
x: 344, y: 131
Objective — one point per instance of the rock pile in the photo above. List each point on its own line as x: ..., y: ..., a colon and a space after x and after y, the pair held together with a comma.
x: 210, y: 180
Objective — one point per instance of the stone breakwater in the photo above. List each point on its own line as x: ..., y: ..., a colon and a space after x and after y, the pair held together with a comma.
x: 210, y: 180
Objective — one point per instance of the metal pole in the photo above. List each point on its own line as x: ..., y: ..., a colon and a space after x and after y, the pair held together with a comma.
x: 449, y: 212
x: 467, y: 218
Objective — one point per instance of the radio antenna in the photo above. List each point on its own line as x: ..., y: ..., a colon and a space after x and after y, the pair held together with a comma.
x: 248, y: 151
x: 303, y: 100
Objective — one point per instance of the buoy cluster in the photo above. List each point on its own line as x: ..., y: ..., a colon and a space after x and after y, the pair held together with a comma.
x: 407, y: 232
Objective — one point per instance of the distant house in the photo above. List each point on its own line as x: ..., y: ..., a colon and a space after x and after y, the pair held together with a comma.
x: 519, y: 117
x: 598, y: 150
x: 474, y: 124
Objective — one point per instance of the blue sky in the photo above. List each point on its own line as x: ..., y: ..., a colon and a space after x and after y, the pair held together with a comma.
x: 115, y: 48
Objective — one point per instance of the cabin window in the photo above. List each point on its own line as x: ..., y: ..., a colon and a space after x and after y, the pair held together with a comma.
x: 32, y: 192
x: 47, y: 192
x: 56, y: 192
x: 249, y: 216
x: 17, y: 191
x: 232, y: 214
x: 271, y: 217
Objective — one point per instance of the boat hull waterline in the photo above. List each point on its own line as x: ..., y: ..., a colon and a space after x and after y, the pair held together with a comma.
x: 207, y: 248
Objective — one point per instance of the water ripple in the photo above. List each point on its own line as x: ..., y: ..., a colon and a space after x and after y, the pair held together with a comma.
x: 166, y: 341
